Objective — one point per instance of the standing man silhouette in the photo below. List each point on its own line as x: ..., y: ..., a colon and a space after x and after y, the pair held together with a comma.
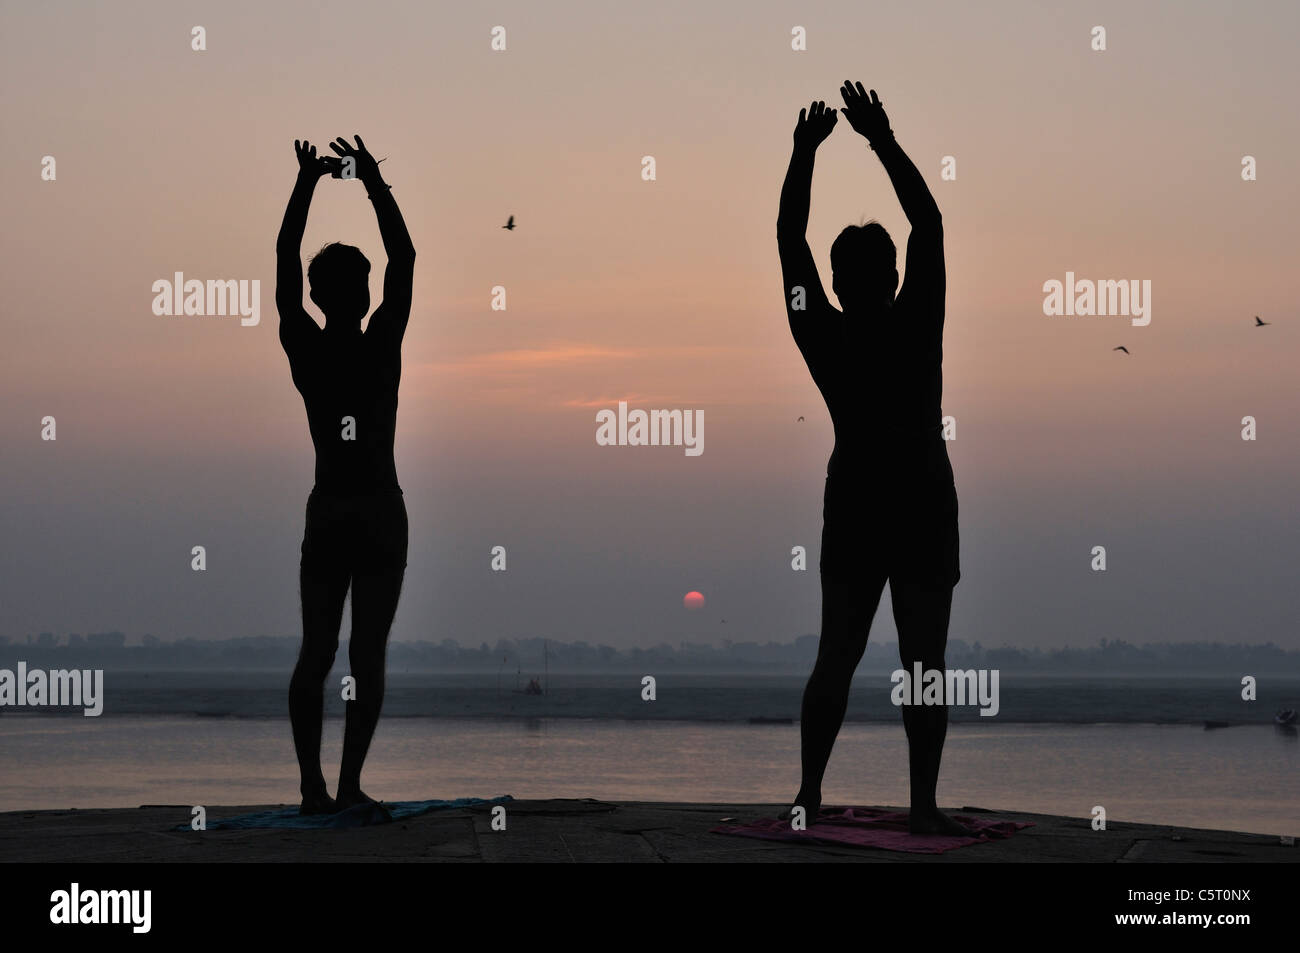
x: 356, y: 527
x: 890, y: 508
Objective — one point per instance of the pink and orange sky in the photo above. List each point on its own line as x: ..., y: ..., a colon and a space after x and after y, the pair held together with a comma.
x: 183, y: 431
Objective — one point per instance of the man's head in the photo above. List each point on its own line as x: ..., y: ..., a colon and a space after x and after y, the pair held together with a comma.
x: 864, y: 268
x: 339, y: 276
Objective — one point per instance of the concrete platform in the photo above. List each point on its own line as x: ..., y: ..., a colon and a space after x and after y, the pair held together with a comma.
x: 578, y: 831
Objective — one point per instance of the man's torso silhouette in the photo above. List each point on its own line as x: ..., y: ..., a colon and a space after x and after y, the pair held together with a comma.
x: 890, y: 503
x: 356, y: 517
x: 350, y: 375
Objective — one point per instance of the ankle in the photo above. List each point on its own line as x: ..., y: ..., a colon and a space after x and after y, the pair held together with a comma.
x: 313, y: 789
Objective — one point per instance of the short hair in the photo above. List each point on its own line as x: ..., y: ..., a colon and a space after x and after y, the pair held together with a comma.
x: 335, y: 260
x: 864, y: 247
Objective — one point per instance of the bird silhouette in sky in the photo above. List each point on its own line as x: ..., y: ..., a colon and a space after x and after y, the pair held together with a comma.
x: 510, y: 224
x: 800, y: 420
x: 1120, y: 348
x: 1259, y: 323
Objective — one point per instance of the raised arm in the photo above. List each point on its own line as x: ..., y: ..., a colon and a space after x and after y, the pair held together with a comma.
x: 805, y: 298
x: 394, y: 311
x: 925, y: 276
x: 294, y: 320
x: 866, y: 114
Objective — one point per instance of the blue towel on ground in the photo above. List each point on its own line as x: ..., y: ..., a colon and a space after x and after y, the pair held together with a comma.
x: 362, y: 815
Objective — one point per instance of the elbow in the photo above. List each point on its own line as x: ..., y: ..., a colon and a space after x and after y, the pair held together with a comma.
x: 931, y: 222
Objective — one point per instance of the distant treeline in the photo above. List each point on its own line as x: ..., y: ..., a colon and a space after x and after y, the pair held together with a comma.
x: 531, y: 655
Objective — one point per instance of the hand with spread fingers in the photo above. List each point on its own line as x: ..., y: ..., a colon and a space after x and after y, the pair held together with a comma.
x: 364, y: 165
x: 865, y: 112
x: 814, y: 125
x: 311, y: 165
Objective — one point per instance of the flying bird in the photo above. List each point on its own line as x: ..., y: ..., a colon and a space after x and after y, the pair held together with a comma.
x: 1120, y: 348
x: 800, y: 420
x: 1259, y: 323
x: 510, y: 224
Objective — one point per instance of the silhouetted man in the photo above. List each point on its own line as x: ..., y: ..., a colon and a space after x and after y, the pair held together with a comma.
x: 356, y: 532
x: 890, y: 509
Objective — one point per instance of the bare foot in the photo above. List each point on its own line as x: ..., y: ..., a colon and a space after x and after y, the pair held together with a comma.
x: 353, y: 797
x: 318, y: 803
x: 932, y: 821
x: 812, y: 806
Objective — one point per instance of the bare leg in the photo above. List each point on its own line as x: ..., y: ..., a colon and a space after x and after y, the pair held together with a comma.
x: 374, y: 603
x: 847, y: 611
x: 323, y: 593
x: 921, y: 612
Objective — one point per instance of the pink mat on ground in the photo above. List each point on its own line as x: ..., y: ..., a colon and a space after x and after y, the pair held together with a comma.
x: 874, y: 827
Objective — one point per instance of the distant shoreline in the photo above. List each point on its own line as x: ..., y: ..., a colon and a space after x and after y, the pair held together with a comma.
x: 768, y: 699
x: 534, y: 656
x: 869, y: 667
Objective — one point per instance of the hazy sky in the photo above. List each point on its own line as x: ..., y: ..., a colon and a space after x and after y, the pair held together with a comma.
x: 183, y: 431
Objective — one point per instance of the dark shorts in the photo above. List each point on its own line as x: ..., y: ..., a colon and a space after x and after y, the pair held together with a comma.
x: 352, y: 532
x: 875, y: 531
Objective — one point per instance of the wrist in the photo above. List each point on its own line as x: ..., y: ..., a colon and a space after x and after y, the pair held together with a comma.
x: 882, y: 139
